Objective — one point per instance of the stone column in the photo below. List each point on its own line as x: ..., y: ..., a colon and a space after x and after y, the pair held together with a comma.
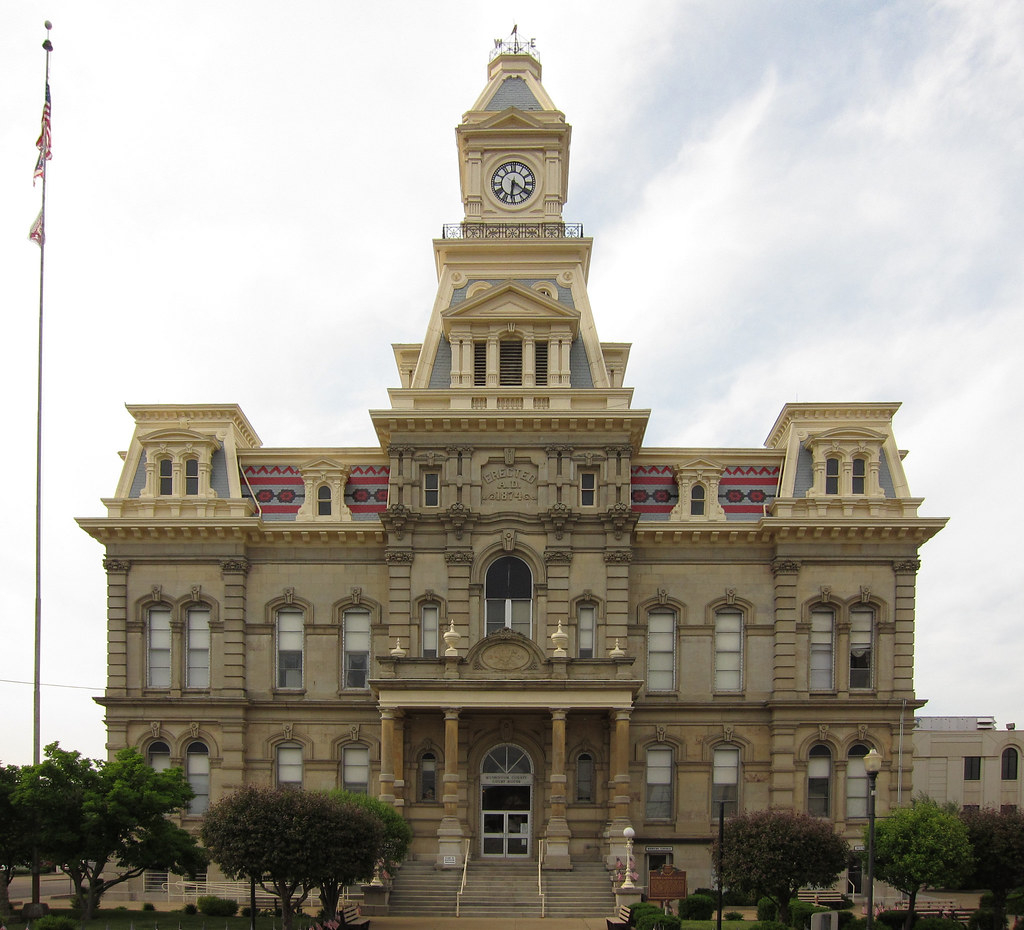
x: 556, y: 855
x: 619, y: 786
x: 399, y: 758
x: 387, y: 755
x: 450, y: 833
x: 233, y: 572
x: 117, y: 630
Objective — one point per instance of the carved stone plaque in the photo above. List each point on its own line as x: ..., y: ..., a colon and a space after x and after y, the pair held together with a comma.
x: 505, y: 657
x: 508, y: 487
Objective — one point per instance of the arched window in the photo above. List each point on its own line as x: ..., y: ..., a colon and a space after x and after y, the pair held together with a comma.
x: 159, y: 756
x: 323, y: 501
x: 355, y: 769
x: 819, y: 782
x: 586, y: 630
x: 725, y: 780
x: 659, y: 784
x: 822, y: 651
x: 661, y: 650
x: 197, y: 647
x: 856, y: 783
x: 1010, y: 759
x: 289, y: 765
x: 191, y: 476
x: 585, y: 778
x: 859, y: 474
x: 428, y: 777
x: 697, y: 499
x: 166, y: 477
x: 158, y: 659
x: 509, y: 586
x: 862, y: 634
x: 429, y: 620
x: 290, y: 622
x: 728, y: 649
x: 355, y: 635
x: 197, y: 771
x: 831, y: 476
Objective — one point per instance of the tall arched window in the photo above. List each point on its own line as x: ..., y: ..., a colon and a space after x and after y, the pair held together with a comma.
x: 697, y: 499
x: 355, y: 634
x: 725, y: 780
x: 159, y: 756
x: 197, y: 771
x: 1009, y: 765
x: 856, y: 783
x: 585, y: 778
x: 197, y: 647
x: 831, y: 476
x: 661, y: 650
x: 862, y: 635
x: 191, y: 476
x: 728, y: 649
x: 323, y: 501
x: 166, y: 477
x: 819, y: 782
x: 509, y: 586
x: 158, y: 660
x: 586, y: 630
x: 290, y: 621
x: 659, y: 784
x: 289, y: 765
x: 859, y: 475
x: 429, y: 620
x: 355, y: 769
x: 822, y: 660
x: 428, y: 777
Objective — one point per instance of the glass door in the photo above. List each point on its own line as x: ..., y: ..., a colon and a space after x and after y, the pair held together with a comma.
x: 506, y: 800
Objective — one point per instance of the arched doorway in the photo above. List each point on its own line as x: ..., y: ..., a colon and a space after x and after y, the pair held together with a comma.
x: 506, y: 802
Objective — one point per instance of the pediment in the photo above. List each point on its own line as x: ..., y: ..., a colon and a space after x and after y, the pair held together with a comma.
x: 845, y: 435
x: 321, y: 466
x: 176, y: 436
x: 699, y: 466
x: 513, y: 118
x: 506, y: 654
x: 510, y: 303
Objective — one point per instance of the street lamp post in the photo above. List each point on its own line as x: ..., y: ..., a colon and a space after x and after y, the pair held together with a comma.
x: 872, y: 765
x: 627, y: 882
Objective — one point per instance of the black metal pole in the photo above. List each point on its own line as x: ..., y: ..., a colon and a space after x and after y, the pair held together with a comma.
x: 252, y: 904
x: 869, y: 923
x: 721, y: 845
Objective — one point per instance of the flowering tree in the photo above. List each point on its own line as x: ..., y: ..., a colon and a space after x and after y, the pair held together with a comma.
x: 774, y: 853
x: 291, y: 841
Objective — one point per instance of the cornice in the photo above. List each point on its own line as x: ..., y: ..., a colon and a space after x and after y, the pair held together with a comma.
x: 355, y: 533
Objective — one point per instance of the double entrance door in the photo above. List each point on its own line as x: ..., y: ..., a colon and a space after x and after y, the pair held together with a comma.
x: 506, y: 800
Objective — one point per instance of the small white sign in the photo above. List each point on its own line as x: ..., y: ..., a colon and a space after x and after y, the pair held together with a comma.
x: 449, y: 860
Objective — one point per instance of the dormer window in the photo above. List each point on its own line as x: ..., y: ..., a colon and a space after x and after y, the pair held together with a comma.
x: 192, y: 476
x: 697, y: 498
x: 323, y: 501
x: 166, y: 478
x: 831, y: 475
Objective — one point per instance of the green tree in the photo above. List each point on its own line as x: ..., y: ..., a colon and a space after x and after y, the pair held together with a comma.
x: 291, y: 841
x: 394, y: 849
x: 103, y: 823
x: 773, y: 853
x: 997, y: 838
x: 15, y: 834
x: 921, y: 845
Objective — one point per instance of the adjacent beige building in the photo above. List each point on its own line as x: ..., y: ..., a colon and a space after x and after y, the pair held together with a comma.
x: 512, y: 619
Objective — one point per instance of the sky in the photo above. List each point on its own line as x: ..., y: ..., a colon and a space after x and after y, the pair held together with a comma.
x: 789, y: 200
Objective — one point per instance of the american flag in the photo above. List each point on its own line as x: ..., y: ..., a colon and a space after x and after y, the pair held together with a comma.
x: 43, y: 142
x: 36, y: 232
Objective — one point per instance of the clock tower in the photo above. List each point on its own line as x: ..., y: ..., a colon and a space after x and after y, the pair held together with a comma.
x: 513, y: 145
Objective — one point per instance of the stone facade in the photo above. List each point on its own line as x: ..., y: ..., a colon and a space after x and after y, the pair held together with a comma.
x: 512, y: 619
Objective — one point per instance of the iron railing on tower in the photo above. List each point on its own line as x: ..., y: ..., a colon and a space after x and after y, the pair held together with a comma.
x: 512, y: 231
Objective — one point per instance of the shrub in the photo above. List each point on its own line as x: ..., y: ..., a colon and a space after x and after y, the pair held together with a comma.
x: 732, y: 915
x: 846, y: 920
x: 769, y: 925
x: 212, y: 906
x: 245, y: 911
x: 858, y: 923
x: 767, y: 910
x: 55, y: 922
x: 894, y: 920
x: 657, y: 919
x: 800, y: 913
x: 697, y: 907
x: 641, y: 908
x: 937, y: 923
x: 149, y: 906
x: 190, y: 909
x: 983, y: 919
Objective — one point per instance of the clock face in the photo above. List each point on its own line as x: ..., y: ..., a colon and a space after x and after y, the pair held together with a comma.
x: 513, y: 183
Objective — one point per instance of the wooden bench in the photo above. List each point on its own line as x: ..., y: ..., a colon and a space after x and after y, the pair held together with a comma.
x: 621, y: 920
x: 820, y: 897
x: 350, y: 917
x: 946, y: 909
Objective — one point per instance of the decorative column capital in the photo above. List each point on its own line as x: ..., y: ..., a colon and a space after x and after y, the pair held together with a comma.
x: 116, y: 565
x: 785, y: 566
x: 234, y: 566
x: 906, y: 566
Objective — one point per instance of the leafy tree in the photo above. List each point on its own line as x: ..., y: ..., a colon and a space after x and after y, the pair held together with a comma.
x: 395, y: 847
x: 95, y: 817
x: 998, y: 865
x: 921, y: 845
x: 291, y: 841
x: 774, y: 853
x: 15, y: 834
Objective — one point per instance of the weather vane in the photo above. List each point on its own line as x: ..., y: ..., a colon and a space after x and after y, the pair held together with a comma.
x: 513, y: 45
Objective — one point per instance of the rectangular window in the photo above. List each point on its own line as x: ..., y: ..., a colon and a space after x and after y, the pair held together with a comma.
x: 289, y: 647
x: 191, y: 476
x: 586, y: 619
x: 159, y: 673
x: 480, y: 364
x: 540, y: 356
x: 819, y: 784
x: 355, y: 769
x: 428, y: 625
x: 166, y: 477
x: 972, y: 768
x: 831, y: 476
x: 725, y: 781
x: 659, y: 784
x: 356, y: 635
x: 728, y: 650
x: 858, y: 476
x: 822, y: 649
x: 661, y: 650
x: 289, y: 766
x: 197, y: 671
x: 431, y: 488
x: 588, y: 488
x: 862, y: 625
x: 857, y: 787
x: 510, y: 362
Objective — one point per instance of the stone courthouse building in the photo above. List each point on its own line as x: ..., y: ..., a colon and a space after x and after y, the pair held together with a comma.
x: 512, y: 619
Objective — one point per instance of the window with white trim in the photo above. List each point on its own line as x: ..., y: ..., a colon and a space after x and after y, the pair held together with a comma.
x: 289, y: 765
x: 862, y: 630
x: 290, y: 623
x: 728, y: 649
x: 191, y: 476
x: 725, y: 780
x: 509, y: 596
x: 429, y: 621
x: 698, y: 498
x: 197, y: 647
x: 857, y: 783
x: 661, y: 650
x: 819, y: 782
x: 831, y: 476
x: 158, y: 660
x: 166, y: 477
x: 822, y: 649
x: 197, y: 771
x: 659, y: 784
x: 356, y: 648
x: 324, y: 501
x: 355, y: 769
x: 588, y: 488
x: 431, y: 489
x: 859, y: 475
x: 586, y: 630
x: 159, y: 756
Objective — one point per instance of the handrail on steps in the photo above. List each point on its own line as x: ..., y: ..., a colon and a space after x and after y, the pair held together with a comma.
x: 465, y: 867
x: 540, y: 885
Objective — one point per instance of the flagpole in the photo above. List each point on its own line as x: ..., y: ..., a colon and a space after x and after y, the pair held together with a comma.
x: 44, y: 154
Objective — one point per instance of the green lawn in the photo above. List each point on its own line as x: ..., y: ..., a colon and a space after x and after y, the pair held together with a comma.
x: 117, y: 919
